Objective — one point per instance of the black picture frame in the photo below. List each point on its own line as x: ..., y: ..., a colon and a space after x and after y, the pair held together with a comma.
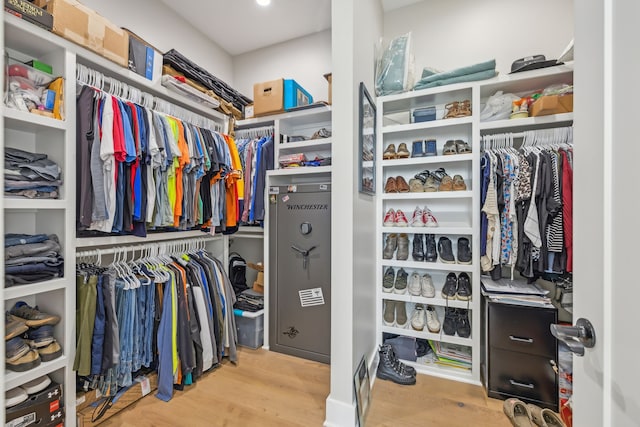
x: 367, y: 143
x: 362, y: 388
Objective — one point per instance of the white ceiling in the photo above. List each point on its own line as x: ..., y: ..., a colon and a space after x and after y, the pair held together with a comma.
x: 240, y: 26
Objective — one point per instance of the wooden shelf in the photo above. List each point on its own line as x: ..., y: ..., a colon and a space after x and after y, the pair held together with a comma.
x: 29, y: 122
x: 304, y: 170
x: 427, y: 125
x: 308, y: 145
x: 427, y: 160
x: 437, y: 300
x: 529, y: 123
x: 457, y: 231
x: 33, y: 204
x: 425, y: 196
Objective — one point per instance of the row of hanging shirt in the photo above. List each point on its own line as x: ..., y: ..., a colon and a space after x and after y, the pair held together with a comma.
x: 172, y: 313
x: 140, y: 170
x: 256, y: 151
x: 527, y: 203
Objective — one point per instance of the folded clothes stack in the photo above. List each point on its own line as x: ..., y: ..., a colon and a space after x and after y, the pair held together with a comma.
x: 31, y: 258
x: 250, y: 300
x: 30, y: 175
x: 481, y: 71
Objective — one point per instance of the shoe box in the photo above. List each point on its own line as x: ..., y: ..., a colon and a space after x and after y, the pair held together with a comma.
x: 277, y: 96
x: 43, y: 409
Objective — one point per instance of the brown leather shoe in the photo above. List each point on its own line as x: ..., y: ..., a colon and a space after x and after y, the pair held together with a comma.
x: 402, y: 185
x: 403, y: 151
x: 391, y: 186
x: 458, y: 183
x: 446, y: 184
x: 390, y: 152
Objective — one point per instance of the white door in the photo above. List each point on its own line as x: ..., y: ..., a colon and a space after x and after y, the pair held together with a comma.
x: 606, y: 210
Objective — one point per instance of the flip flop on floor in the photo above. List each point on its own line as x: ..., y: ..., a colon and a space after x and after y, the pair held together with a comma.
x: 518, y: 413
x: 545, y: 417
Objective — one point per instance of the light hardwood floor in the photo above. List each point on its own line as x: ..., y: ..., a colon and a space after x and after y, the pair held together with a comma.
x: 272, y: 389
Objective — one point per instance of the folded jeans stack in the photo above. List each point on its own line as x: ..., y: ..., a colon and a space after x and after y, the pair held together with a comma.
x: 30, y: 175
x: 32, y: 258
x: 249, y: 300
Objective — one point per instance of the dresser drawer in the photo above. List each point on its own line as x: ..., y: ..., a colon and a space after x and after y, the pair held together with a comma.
x: 524, y: 329
x: 526, y: 376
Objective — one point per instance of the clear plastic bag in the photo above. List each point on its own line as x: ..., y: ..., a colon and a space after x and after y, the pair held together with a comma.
x: 394, y: 66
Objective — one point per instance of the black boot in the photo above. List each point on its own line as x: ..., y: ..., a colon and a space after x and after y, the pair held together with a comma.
x: 430, y: 254
x: 388, y: 371
x: 418, y: 248
x: 410, y: 370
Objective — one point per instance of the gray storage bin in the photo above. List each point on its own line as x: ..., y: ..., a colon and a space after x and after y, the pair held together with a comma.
x: 250, y: 327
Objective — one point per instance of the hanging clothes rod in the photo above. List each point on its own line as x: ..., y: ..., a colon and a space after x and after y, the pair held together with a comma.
x: 114, y: 87
x: 165, y: 246
x: 256, y: 132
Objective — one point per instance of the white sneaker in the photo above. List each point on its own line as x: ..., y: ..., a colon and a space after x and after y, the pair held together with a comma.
x: 417, y: 220
x: 432, y: 319
x: 15, y: 396
x: 429, y: 218
x: 418, y: 318
x: 37, y: 385
x: 389, y: 218
x: 427, y: 288
x: 401, y: 220
x: 415, y: 287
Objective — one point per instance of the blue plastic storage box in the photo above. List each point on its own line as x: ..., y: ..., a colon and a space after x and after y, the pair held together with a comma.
x: 426, y: 114
x: 295, y: 95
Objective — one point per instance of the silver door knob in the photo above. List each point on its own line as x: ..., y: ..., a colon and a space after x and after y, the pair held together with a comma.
x: 577, y: 337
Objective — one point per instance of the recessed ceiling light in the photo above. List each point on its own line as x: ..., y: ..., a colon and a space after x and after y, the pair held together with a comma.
x: 263, y: 2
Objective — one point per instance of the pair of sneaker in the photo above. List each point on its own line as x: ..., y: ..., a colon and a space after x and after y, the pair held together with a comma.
x: 423, y: 218
x: 457, y: 287
x: 396, y: 283
x: 445, y: 251
x: 395, y: 218
x: 20, y: 394
x: 425, y: 316
x: 456, y: 321
x: 29, y: 337
x: 421, y: 285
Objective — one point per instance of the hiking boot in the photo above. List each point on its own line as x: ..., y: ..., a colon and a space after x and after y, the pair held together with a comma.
x: 15, y: 348
x: 463, y: 326
x: 28, y: 361
x: 404, y: 368
x: 400, y: 285
x: 417, y: 220
x: 418, y: 251
x: 418, y: 318
x: 32, y: 316
x: 388, y: 279
x: 433, y: 323
x: 403, y: 247
x: 450, y: 288
x: 464, y: 251
x: 40, y: 337
x: 426, y: 285
x: 401, y: 314
x: 430, y: 253
x: 50, y: 352
x: 389, y: 316
x: 13, y: 326
x: 450, y: 321
x: 388, y: 370
x: 464, y: 287
x: 414, y: 284
x: 390, y: 246
x: 445, y: 251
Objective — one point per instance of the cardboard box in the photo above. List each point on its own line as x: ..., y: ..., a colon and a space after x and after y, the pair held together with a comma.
x: 87, y: 398
x: 82, y: 25
x: 144, y: 59
x: 328, y: 76
x: 137, y: 391
x: 552, y: 104
x: 44, y: 408
x: 30, y: 13
x: 277, y: 96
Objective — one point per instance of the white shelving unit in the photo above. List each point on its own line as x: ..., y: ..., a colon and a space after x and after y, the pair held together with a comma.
x: 457, y: 212
x: 56, y: 138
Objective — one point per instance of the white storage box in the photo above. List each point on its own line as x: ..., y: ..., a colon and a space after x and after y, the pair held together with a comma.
x: 250, y: 327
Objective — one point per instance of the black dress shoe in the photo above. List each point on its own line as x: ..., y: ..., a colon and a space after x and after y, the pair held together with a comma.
x: 418, y: 248
x: 430, y: 254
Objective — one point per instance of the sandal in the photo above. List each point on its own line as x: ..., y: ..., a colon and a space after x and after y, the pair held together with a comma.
x: 422, y: 176
x: 464, y: 108
x: 390, y: 152
x: 452, y: 110
x: 439, y: 174
x: 458, y: 183
x: 517, y: 412
x: 450, y: 147
x: 462, y: 147
x: 545, y: 417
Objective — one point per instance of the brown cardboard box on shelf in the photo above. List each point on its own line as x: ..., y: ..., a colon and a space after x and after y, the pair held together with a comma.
x: 137, y: 391
x: 552, y: 104
x: 328, y: 76
x: 268, y: 97
x: 82, y: 25
x: 258, y: 285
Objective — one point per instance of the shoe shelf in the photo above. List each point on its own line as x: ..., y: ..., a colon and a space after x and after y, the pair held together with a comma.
x: 423, y: 265
x: 433, y: 195
x: 443, y: 230
x: 427, y: 160
x: 437, y: 301
x: 14, y: 379
x: 434, y: 124
x: 304, y: 170
x: 20, y: 291
x: 528, y: 123
x: 317, y: 144
x: 425, y: 334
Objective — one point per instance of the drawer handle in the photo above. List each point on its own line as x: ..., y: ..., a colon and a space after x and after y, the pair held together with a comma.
x: 518, y: 339
x: 523, y: 385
